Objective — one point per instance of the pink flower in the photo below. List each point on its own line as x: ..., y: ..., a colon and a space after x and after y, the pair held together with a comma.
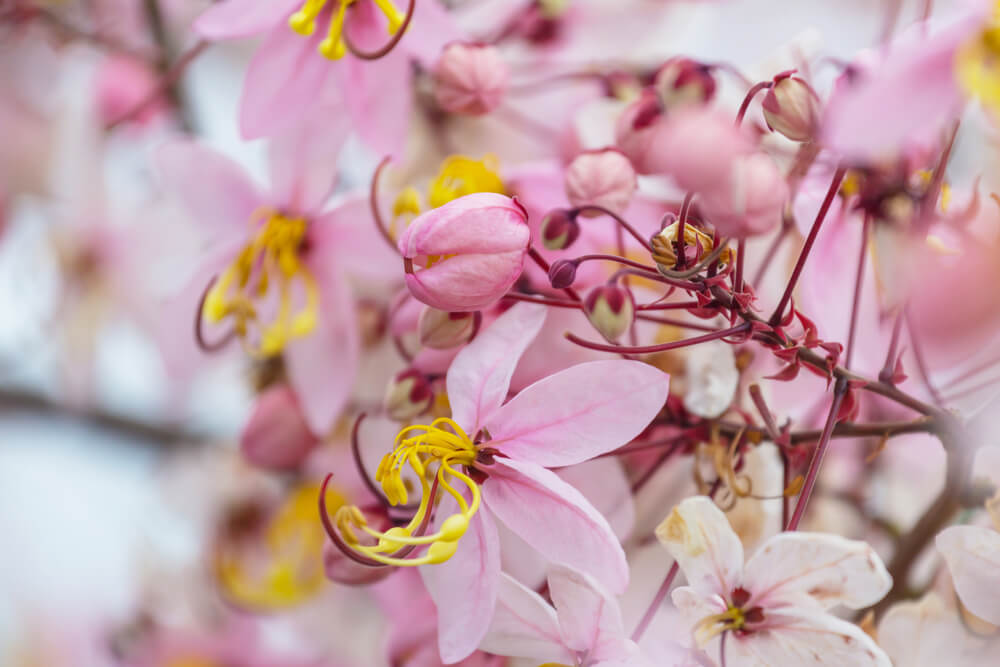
x: 277, y: 436
x: 470, y: 79
x: 278, y: 260
x: 750, y: 200
x: 582, y: 626
x: 301, y: 64
x: 773, y: 607
x: 506, y: 449
x: 471, y: 249
x: 601, y: 178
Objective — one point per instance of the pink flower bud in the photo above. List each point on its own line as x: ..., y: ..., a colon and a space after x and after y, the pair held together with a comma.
x: 562, y: 273
x: 441, y: 330
x: 636, y: 127
x: 470, y: 79
x: 603, y: 178
x: 791, y: 108
x: 750, y: 201
x: 559, y: 229
x: 276, y: 435
x: 123, y: 83
x: 408, y: 394
x: 471, y: 251
x: 682, y: 81
x: 611, y: 309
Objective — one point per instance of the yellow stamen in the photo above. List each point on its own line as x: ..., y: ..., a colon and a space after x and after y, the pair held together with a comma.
x: 977, y: 64
x: 304, y: 23
x: 665, y: 253
x: 270, y: 261
x: 714, y: 625
x: 461, y: 175
x: 433, y: 452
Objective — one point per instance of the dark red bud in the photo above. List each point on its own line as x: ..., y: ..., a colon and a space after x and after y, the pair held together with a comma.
x: 559, y: 229
x: 562, y: 273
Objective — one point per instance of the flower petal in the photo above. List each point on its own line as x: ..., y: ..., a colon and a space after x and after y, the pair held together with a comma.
x: 285, y: 80
x: 233, y: 19
x: 303, y: 159
x: 798, y: 636
x: 360, y: 250
x: 926, y: 633
x: 211, y: 187
x: 589, y: 618
x: 381, y: 125
x: 524, y: 626
x: 827, y: 568
x: 579, y: 413
x: 464, y: 588
x: 973, y: 557
x: 322, y: 364
x: 555, y: 519
x: 480, y: 375
x: 708, y: 551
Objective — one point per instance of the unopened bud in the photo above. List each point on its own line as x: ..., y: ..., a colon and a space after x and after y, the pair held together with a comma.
x: 602, y: 178
x: 276, y: 435
x: 559, y: 229
x: 791, y: 108
x: 408, y: 394
x: 611, y: 309
x: 696, y: 245
x: 682, y: 81
x: 562, y: 273
x: 441, y: 330
x: 470, y: 79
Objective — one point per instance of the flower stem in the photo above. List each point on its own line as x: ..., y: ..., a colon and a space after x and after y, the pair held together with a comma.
x: 654, y: 606
x: 662, y: 347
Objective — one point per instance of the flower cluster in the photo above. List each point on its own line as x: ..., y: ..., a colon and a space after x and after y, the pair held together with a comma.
x: 520, y: 319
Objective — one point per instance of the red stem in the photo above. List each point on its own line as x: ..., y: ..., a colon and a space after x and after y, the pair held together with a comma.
x: 620, y: 220
x: 662, y: 346
x: 654, y: 606
x: 858, y: 280
x: 757, y: 87
x: 824, y: 440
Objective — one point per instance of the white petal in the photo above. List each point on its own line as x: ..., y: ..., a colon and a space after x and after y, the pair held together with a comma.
x: 973, y: 556
x: 698, y: 536
x: 928, y: 634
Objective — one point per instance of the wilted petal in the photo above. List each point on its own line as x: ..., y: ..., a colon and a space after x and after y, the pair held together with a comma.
x: 579, y: 413
x: 480, y: 374
x: 555, y: 519
x: 828, y: 568
x: 805, y: 637
x: 233, y: 19
x: 210, y: 186
x: 973, y: 557
x: 464, y: 587
x: 699, y: 537
x: 524, y: 625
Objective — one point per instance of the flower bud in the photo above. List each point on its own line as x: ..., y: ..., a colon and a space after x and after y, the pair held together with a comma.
x: 122, y: 84
x: 408, y: 394
x: 791, y: 108
x: 611, y: 309
x: 636, y: 127
x: 559, y: 229
x: 471, y: 251
x: 276, y: 435
x: 603, y: 178
x: 682, y: 81
x: 470, y: 79
x: 441, y: 330
x: 697, y: 244
x: 750, y: 201
x: 562, y: 273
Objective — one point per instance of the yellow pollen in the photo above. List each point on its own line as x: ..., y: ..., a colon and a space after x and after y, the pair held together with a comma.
x: 977, y: 64
x: 665, y: 254
x: 333, y: 47
x: 461, y: 175
x: 434, y: 453
x: 269, y: 265
x: 713, y: 626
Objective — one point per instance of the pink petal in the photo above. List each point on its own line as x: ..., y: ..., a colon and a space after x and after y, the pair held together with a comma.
x: 588, y: 616
x: 480, y: 375
x: 211, y: 187
x: 698, y: 536
x: 285, y: 79
x: 973, y: 557
x: 827, y: 568
x: 464, y: 588
x: 605, y: 486
x: 555, y: 519
x: 431, y: 29
x: 360, y: 250
x: 524, y: 626
x: 303, y: 159
x: 580, y: 412
x: 798, y: 636
x: 322, y: 365
x: 233, y: 19
x: 369, y: 84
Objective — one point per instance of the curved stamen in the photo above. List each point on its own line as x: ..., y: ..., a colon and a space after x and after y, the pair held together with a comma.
x: 389, y: 46
x: 199, y: 335
x: 373, y: 204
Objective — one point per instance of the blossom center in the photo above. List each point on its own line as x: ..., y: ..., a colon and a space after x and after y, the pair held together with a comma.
x: 736, y: 618
x: 269, y: 267
x: 333, y: 46
x: 434, y: 453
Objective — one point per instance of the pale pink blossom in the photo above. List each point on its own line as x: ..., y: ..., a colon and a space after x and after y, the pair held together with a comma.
x: 564, y: 419
x: 774, y: 607
x: 472, y: 250
x: 581, y: 627
x: 928, y: 633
